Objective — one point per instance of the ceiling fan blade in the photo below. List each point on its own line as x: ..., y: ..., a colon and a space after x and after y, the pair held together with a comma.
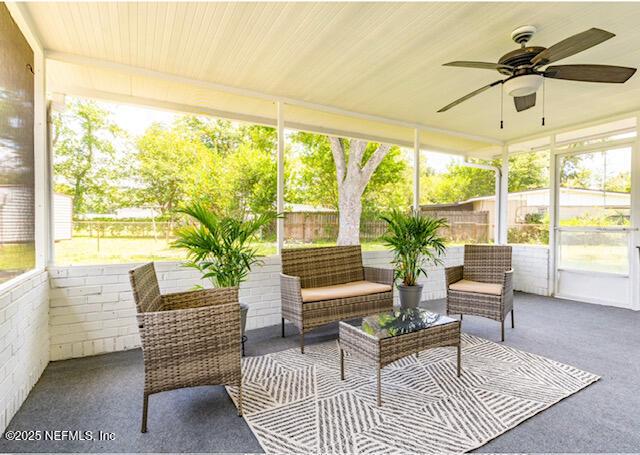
x: 469, y: 95
x: 480, y: 65
x: 572, y: 45
x: 590, y: 73
x: 524, y: 102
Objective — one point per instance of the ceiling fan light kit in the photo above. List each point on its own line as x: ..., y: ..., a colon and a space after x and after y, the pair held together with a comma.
x: 523, y: 85
x: 524, y: 67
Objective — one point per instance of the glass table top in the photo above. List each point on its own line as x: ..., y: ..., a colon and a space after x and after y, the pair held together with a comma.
x: 399, y: 322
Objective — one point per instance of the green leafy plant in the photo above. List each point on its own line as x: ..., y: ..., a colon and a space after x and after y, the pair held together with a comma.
x: 220, y: 246
x: 415, y: 242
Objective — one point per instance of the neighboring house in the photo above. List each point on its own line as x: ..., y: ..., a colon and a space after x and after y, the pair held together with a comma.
x: 574, y: 202
x: 16, y: 213
x: 62, y: 216
x: 143, y: 213
x: 308, y: 208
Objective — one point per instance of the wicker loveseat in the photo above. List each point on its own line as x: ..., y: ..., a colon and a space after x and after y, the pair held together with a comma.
x: 329, y: 284
x: 188, y: 338
x: 483, y: 285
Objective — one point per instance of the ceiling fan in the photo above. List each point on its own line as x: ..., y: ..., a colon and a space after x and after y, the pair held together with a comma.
x: 524, y: 66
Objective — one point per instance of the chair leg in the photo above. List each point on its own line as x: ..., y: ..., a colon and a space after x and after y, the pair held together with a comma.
x: 240, y: 399
x: 145, y: 407
x: 513, y: 324
x: 461, y: 316
x: 282, y: 327
x: 301, y: 342
x: 502, y: 330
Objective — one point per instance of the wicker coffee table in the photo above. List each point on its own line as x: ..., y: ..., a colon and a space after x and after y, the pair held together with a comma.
x: 386, y: 337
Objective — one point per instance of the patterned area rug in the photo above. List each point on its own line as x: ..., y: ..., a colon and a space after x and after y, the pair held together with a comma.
x: 297, y: 403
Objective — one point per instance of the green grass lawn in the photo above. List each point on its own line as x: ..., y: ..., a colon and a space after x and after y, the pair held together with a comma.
x: 597, y: 258
x: 84, y: 250
x: 16, y: 258
x: 87, y: 250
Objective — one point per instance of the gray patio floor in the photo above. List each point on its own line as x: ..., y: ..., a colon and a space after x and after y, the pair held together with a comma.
x: 103, y: 393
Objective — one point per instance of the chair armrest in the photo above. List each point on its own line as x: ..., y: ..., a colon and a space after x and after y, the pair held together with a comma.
x: 172, y: 333
x: 199, y: 298
x: 291, y: 293
x: 453, y: 274
x: 507, y: 283
x: 379, y: 275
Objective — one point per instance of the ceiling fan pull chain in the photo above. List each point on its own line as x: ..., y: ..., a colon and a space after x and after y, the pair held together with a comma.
x: 543, y: 97
x: 501, y: 106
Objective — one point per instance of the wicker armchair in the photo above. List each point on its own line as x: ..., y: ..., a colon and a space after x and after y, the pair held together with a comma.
x: 188, y: 338
x: 329, y: 284
x: 483, y: 286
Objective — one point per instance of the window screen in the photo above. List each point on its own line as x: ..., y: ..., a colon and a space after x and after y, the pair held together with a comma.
x: 17, y: 248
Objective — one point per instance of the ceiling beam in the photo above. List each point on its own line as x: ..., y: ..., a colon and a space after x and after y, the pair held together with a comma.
x: 21, y: 16
x: 254, y: 119
x: 575, y: 126
x: 143, y: 72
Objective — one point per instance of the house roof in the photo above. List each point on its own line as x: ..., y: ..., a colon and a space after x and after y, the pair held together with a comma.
x: 579, y: 191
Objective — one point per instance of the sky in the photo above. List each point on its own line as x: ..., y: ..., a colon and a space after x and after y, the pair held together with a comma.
x: 136, y: 119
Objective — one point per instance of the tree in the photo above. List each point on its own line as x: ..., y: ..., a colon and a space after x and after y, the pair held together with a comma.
x: 220, y: 136
x: 315, y: 179
x: 250, y: 181
x: 354, y: 169
x: 575, y: 173
x: 230, y: 168
x: 458, y: 184
x: 85, y: 161
x: 247, y: 171
x: 619, y: 183
x: 527, y: 171
x: 175, y: 165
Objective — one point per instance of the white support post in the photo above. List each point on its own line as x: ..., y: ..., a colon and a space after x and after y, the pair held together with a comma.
x: 634, y: 254
x: 554, y: 184
x: 43, y: 239
x: 416, y: 170
x: 504, y: 198
x: 496, y: 215
x: 280, y: 177
x: 51, y: 255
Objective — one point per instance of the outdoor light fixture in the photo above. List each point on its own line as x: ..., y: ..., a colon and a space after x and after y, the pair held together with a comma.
x: 523, y: 85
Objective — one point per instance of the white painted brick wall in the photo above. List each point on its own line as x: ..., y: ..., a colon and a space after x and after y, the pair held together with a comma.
x: 92, y: 309
x: 24, y: 340
x: 531, y: 269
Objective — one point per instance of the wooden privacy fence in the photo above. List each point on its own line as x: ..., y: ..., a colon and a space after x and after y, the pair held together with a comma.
x: 122, y: 229
x: 465, y: 226
x: 302, y: 227
x: 308, y: 227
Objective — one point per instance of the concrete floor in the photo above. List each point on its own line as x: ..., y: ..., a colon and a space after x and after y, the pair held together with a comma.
x: 103, y: 393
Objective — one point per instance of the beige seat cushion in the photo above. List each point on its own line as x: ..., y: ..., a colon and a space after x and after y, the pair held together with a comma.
x: 477, y: 287
x: 342, y: 291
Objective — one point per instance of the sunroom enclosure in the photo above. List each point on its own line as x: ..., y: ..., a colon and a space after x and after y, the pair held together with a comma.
x: 592, y: 257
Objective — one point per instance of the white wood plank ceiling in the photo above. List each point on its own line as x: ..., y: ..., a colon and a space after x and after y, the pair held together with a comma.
x: 380, y: 59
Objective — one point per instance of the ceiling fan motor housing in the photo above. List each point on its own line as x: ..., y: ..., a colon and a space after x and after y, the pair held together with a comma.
x: 520, y: 59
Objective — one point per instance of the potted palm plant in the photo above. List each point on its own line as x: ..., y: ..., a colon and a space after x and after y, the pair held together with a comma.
x: 221, y: 247
x: 416, y: 244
